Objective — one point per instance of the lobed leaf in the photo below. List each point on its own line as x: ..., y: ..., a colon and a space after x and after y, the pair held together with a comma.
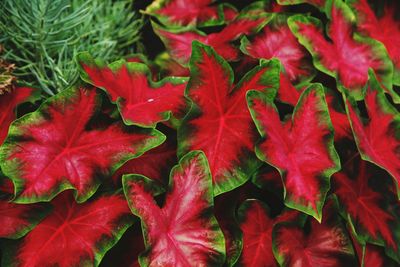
x: 348, y: 56
x: 140, y: 101
x: 219, y: 111
x: 277, y: 41
x: 385, y: 28
x: 301, y: 149
x: 365, y: 207
x: 317, y: 244
x: 184, y: 232
x: 377, y: 139
x: 256, y: 225
x: 57, y: 147
x: 73, y: 234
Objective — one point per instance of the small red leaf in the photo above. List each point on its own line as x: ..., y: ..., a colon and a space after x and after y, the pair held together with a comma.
x: 277, y: 41
x: 54, y: 148
x: 385, y: 29
x: 348, y: 56
x: 364, y: 205
x: 179, y: 43
x: 219, y: 111
x: 378, y: 139
x: 140, y: 101
x: 323, y: 244
x: 73, y: 234
x: 257, y: 226
x: 301, y: 149
x: 8, y: 103
x: 184, y: 231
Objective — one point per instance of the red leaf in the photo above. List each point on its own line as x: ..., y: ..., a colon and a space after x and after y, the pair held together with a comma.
x: 82, y: 233
x: 256, y: 226
x: 378, y: 139
x: 179, y: 43
x: 347, y: 56
x: 152, y: 164
x: 55, y: 148
x: 189, y: 12
x: 277, y: 41
x: 8, y: 103
x: 325, y: 244
x: 318, y: 3
x: 385, y: 29
x: 184, y: 231
x: 17, y: 219
x: 219, y: 111
x: 301, y: 149
x: 140, y: 101
x: 364, y: 205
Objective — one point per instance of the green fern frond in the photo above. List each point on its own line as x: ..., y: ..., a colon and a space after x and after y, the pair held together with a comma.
x: 42, y: 37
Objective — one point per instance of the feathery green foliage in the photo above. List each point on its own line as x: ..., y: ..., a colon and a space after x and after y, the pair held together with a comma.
x: 42, y: 36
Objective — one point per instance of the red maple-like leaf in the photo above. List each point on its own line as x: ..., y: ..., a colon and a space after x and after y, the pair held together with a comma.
x: 56, y: 148
x: 324, y: 244
x: 179, y: 42
x: 385, y: 29
x: 184, y: 231
x: 364, y: 205
x: 219, y: 111
x: 348, y: 56
x: 377, y: 139
x: 257, y: 226
x: 8, y: 103
x: 301, y: 149
x: 140, y: 101
x: 277, y: 41
x: 74, y: 234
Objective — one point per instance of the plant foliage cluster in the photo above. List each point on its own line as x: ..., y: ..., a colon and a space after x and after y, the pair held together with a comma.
x: 265, y: 134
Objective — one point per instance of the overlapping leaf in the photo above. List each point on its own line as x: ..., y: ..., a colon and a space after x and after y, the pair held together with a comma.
x: 190, y: 12
x: 326, y: 244
x: 8, y: 103
x: 73, y: 234
x: 219, y: 122
x: 377, y: 138
x: 140, y: 101
x: 277, y: 41
x: 179, y: 42
x: 58, y: 147
x: 348, y: 56
x: 301, y: 149
x: 184, y: 232
x: 256, y: 225
x: 366, y: 208
x: 385, y: 29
